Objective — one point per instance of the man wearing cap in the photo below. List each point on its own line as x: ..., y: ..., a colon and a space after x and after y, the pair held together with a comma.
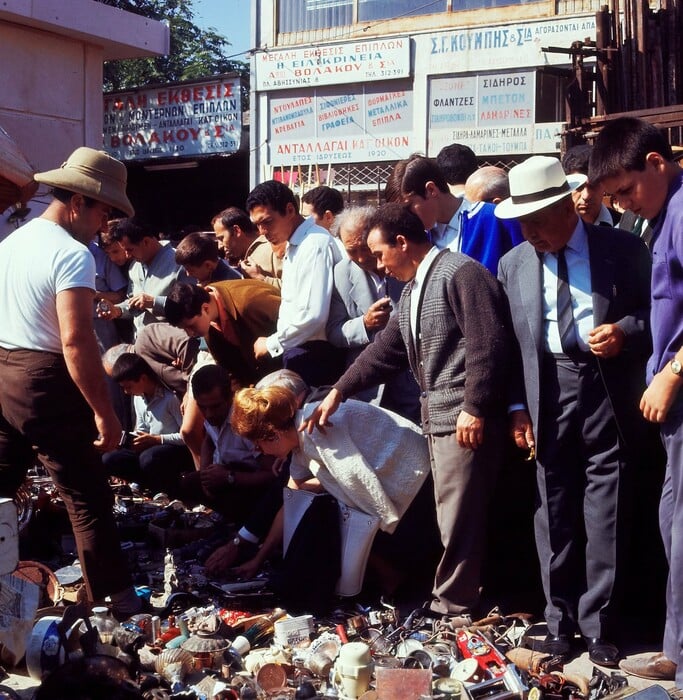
x: 579, y: 298
x: 54, y: 401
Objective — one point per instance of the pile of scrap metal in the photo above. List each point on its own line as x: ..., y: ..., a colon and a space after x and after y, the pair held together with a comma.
x: 209, y: 639
x: 215, y: 650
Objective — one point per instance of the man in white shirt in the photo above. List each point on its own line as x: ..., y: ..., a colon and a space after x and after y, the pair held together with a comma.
x: 53, y: 396
x: 307, y: 283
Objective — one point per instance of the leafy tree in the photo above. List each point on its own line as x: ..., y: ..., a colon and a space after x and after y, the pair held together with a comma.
x: 195, y: 53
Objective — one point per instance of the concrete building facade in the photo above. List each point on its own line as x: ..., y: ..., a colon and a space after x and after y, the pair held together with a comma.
x: 51, y: 53
x: 342, y: 89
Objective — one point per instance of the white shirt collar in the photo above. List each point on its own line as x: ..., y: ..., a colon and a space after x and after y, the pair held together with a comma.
x: 423, y: 267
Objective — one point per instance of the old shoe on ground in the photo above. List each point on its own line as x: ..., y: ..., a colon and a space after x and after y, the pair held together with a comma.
x: 655, y: 668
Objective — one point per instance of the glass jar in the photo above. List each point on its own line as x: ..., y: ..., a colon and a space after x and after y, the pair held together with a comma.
x: 104, y: 623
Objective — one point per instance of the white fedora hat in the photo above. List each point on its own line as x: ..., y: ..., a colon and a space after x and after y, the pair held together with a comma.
x: 535, y: 184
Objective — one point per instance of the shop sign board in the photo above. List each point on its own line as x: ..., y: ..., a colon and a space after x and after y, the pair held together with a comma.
x: 333, y: 64
x: 190, y: 119
x: 331, y: 125
x: 516, y: 45
x: 493, y: 114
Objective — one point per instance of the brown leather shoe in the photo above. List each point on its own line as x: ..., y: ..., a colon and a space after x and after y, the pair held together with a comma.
x: 655, y: 668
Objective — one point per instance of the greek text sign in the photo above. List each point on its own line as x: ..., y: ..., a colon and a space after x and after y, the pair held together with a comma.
x: 493, y: 114
x: 468, y: 49
x: 333, y: 64
x: 184, y: 120
x: 330, y: 125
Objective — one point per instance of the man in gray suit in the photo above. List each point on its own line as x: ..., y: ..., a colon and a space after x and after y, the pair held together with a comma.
x: 579, y: 299
x: 452, y: 329
x: 363, y: 299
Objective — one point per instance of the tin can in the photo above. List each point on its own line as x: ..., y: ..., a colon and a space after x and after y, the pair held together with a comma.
x: 448, y: 688
x: 155, y: 625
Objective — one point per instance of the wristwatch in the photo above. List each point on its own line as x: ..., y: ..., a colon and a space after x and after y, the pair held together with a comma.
x: 676, y: 368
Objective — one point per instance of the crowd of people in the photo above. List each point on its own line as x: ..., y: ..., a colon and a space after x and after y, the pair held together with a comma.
x: 380, y: 356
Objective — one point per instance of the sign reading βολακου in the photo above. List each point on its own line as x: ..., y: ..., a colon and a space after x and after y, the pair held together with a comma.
x: 333, y: 64
x: 191, y: 119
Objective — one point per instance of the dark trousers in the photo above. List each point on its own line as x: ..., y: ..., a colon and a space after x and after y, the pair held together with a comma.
x: 211, y: 487
x: 579, y: 477
x: 41, y: 407
x: 157, y: 468
x: 671, y: 526
x: 463, y: 483
x: 318, y: 362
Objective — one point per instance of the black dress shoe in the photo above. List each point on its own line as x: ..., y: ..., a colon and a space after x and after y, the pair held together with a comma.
x: 557, y: 645
x: 601, y: 652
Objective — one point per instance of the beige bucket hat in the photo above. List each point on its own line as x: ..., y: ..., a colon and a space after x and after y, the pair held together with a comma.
x: 94, y: 174
x: 535, y: 184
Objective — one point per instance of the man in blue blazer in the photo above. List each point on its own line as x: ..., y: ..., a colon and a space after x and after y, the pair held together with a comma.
x: 452, y: 222
x: 579, y: 300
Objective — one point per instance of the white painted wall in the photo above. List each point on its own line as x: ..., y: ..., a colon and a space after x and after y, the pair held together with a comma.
x: 51, y: 56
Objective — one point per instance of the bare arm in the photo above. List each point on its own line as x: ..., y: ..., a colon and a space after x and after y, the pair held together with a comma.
x: 207, y: 450
x: 81, y: 354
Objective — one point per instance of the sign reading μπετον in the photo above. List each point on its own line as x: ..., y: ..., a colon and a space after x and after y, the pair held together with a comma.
x: 493, y: 114
x: 333, y: 64
x: 192, y: 119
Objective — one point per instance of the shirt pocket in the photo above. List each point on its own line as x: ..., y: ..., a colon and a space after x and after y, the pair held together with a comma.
x: 661, y: 279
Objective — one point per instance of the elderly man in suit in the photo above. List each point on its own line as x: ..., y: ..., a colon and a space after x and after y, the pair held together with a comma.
x: 579, y: 299
x: 452, y: 329
x: 363, y: 299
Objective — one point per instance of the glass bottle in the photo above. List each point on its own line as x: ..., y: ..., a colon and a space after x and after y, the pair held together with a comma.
x: 104, y: 623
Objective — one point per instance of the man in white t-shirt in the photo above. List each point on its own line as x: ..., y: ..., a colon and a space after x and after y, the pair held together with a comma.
x: 54, y: 400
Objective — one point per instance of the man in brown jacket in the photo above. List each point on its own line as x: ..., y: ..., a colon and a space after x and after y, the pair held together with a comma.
x: 230, y: 316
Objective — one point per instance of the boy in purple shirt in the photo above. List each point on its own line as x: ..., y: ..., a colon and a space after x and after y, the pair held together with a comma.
x: 633, y: 162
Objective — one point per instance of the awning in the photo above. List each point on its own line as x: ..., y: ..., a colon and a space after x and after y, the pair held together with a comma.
x: 16, y: 174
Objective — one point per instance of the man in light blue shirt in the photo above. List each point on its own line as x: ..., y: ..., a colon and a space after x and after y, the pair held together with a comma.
x: 153, y: 272
x: 419, y: 183
x: 579, y: 299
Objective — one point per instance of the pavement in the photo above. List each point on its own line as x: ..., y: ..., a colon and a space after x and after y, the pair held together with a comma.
x: 21, y: 683
x: 582, y: 666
